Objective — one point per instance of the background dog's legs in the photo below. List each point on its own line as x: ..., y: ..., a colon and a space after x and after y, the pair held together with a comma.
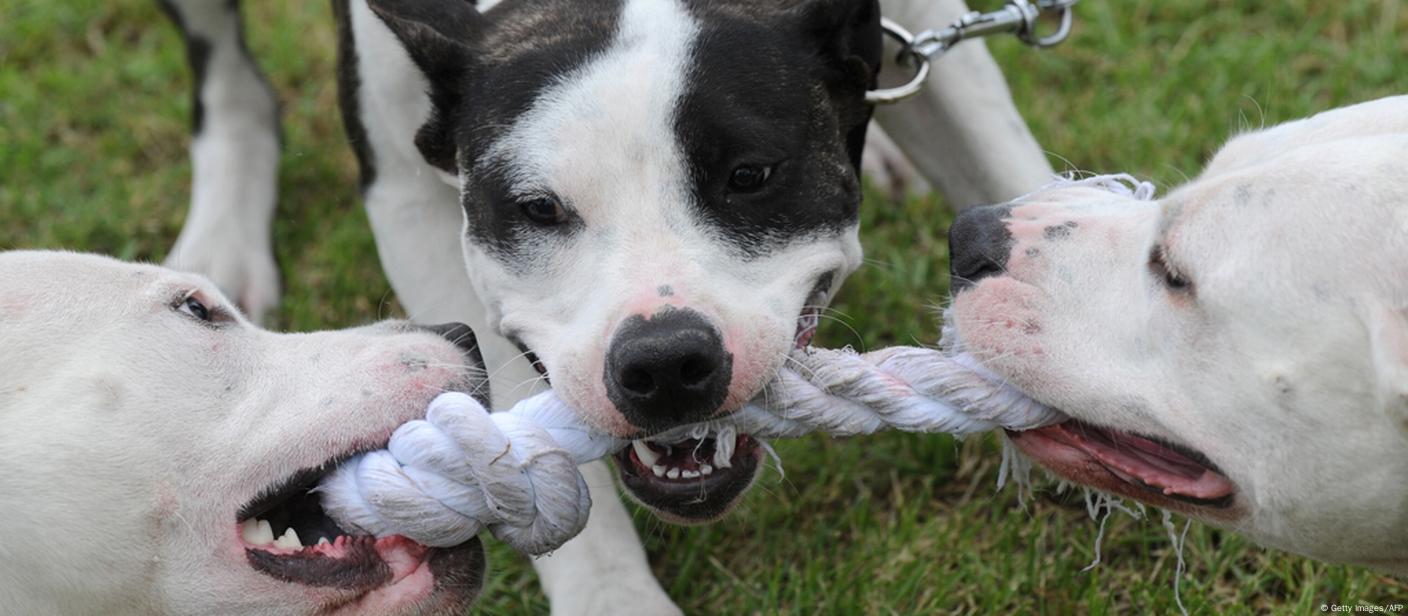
x: 234, y: 159
x: 417, y: 221
x: 962, y: 131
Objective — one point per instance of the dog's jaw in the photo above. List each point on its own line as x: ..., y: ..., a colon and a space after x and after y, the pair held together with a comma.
x: 1197, y: 319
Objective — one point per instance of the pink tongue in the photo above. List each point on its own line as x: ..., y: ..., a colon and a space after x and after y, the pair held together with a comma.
x: 1135, y: 458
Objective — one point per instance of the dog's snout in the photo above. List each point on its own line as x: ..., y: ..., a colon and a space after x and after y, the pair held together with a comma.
x: 978, y: 245
x: 668, y: 370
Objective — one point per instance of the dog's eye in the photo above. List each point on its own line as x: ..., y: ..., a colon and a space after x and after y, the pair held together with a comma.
x: 1159, y: 265
x: 546, y: 211
x: 194, y: 308
x: 749, y: 178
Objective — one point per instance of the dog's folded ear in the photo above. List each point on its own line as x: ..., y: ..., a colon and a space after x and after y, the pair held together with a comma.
x: 850, y: 42
x: 1388, y: 339
x: 848, y: 35
x: 436, y: 34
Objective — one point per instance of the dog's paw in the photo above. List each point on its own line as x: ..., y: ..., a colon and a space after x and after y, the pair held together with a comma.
x: 240, y: 263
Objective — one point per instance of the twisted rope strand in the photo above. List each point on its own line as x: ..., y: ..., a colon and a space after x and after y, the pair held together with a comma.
x: 460, y: 470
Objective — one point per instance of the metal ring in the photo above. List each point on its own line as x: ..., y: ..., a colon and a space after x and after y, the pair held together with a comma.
x: 1028, y: 34
x: 886, y: 96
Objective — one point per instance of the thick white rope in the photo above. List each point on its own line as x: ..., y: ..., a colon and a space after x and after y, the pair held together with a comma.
x: 443, y: 479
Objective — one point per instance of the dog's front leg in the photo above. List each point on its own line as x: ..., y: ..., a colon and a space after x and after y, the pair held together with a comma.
x: 234, y: 159
x: 962, y: 131
x: 604, y: 570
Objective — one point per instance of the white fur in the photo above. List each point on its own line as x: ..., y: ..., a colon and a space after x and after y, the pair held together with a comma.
x: 133, y: 434
x: 1287, y: 364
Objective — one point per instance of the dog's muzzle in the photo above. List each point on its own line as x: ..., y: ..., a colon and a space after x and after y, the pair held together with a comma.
x: 667, y: 370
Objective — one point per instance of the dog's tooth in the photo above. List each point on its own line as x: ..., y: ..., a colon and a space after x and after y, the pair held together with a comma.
x: 705, y: 469
x: 323, y: 541
x: 673, y: 473
x: 647, y: 455
x: 289, y: 540
x: 260, y: 534
x: 249, y: 531
x: 658, y: 470
x: 690, y: 474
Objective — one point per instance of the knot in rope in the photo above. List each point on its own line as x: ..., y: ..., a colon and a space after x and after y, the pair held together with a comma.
x: 443, y: 479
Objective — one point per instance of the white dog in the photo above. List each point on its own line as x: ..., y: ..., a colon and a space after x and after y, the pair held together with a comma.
x: 1236, y: 351
x: 154, y: 443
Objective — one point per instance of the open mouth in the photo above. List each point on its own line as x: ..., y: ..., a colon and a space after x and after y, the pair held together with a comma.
x: 692, y: 480
x: 286, y: 535
x: 1143, y: 468
x: 698, y: 479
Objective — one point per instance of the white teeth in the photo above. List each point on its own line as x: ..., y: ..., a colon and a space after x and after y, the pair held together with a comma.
x: 673, y: 473
x: 289, y: 540
x: 690, y: 474
x: 705, y: 469
x: 658, y: 470
x: 323, y: 541
x: 647, y: 455
x: 256, y: 532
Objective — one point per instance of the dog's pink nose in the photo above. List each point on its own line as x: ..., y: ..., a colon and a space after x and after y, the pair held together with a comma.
x: 668, y: 370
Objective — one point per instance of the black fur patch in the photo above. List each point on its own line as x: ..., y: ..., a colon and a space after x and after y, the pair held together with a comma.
x: 783, y: 87
x: 774, y: 83
x: 349, y: 85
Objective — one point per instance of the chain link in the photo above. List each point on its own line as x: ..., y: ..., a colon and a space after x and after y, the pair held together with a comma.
x: 1018, y: 17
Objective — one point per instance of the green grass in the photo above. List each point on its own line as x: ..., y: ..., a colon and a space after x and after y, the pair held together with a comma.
x: 94, y: 110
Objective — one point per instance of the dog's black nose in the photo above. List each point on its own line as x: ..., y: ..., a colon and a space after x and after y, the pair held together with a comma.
x: 668, y: 370
x: 978, y: 243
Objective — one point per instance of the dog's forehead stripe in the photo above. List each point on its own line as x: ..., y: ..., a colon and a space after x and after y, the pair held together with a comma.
x: 608, y: 122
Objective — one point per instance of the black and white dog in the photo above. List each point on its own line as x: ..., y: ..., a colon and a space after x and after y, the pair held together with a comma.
x: 652, y: 199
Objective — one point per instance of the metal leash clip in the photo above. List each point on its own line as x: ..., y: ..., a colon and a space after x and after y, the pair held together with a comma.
x: 1018, y: 17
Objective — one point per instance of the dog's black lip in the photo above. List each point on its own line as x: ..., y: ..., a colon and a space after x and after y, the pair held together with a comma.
x: 532, y: 358
x: 822, y: 286
x: 361, y: 569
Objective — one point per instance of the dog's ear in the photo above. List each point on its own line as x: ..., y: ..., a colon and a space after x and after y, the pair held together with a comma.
x: 849, y: 41
x: 847, y: 31
x: 1388, y: 340
x: 437, y: 35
